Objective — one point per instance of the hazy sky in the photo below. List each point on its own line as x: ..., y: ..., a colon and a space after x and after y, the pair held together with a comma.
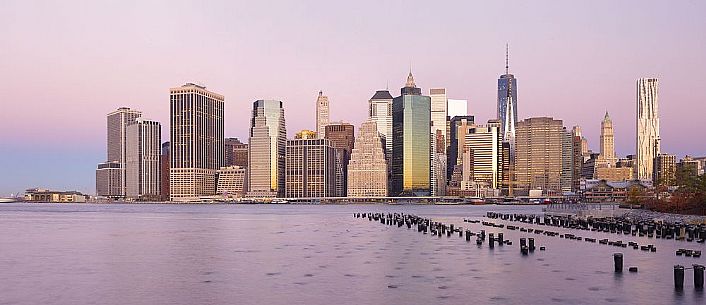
x: 65, y: 64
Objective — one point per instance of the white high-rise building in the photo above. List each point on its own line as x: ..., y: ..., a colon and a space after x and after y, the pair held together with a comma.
x: 196, y: 137
x: 266, y: 152
x: 380, y: 112
x: 483, y: 145
x: 439, y: 104
x: 143, y: 172
x: 648, y: 146
x: 322, y: 114
x: 116, y: 148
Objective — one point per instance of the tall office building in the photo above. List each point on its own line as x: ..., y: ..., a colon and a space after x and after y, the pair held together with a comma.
x: 577, y: 153
x: 665, y: 170
x: 310, y: 168
x: 196, y: 137
x: 367, y: 169
x: 647, y: 128
x: 109, y: 179
x: 607, y: 157
x: 483, y: 144
x: 380, y: 112
x: 411, y: 123
x: 456, y: 107
x: 322, y: 114
x: 164, y: 172
x: 567, y: 158
x: 144, y: 171
x: 117, y: 122
x: 236, y: 153
x: 268, y: 140
x: 439, y: 104
x: 538, y: 163
x: 458, y: 128
x: 342, y: 137
x: 507, y: 106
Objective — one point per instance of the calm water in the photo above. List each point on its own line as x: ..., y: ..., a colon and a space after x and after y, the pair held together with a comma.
x: 257, y: 254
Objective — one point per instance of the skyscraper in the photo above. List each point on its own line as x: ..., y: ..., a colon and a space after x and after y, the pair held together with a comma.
x: 439, y: 104
x: 268, y: 140
x: 310, y: 168
x: 567, y: 158
x: 342, y: 137
x: 484, y: 146
x: 322, y: 114
x: 538, y: 163
x: 647, y: 128
x: 236, y: 153
x: 411, y: 123
x: 164, y: 172
x: 607, y: 157
x: 143, y: 171
x: 196, y: 137
x: 117, y: 122
x: 380, y: 112
x: 665, y: 170
x: 367, y: 169
x: 458, y: 128
x: 507, y: 106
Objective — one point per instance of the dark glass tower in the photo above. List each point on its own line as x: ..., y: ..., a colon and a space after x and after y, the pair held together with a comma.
x: 411, y: 125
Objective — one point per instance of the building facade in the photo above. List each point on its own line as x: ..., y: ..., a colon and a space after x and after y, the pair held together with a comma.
x: 539, y: 155
x: 322, y: 114
x: 367, y: 169
x: 164, y: 172
x: 438, y: 132
x: 567, y: 158
x: 411, y: 123
x: 196, y: 137
x: 482, y: 167
x: 665, y: 170
x: 109, y: 177
x: 648, y: 146
x: 380, y: 112
x: 607, y: 157
x: 236, y: 153
x: 310, y: 168
x: 144, y: 171
x: 458, y: 129
x: 268, y: 140
x: 456, y: 107
x: 231, y: 181
x: 342, y: 137
x: 117, y: 122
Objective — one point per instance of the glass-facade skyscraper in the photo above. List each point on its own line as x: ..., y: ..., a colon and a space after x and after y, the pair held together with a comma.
x: 507, y: 107
x: 266, y: 152
x: 411, y: 162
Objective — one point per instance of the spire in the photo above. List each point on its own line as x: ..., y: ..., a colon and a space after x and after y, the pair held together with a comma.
x: 321, y: 92
x: 507, y: 58
x: 410, y: 81
x: 606, y: 117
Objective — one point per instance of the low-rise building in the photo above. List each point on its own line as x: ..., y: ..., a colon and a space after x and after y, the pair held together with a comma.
x: 230, y: 181
x: 44, y: 195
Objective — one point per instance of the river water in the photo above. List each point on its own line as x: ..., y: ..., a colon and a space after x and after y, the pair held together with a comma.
x: 298, y: 254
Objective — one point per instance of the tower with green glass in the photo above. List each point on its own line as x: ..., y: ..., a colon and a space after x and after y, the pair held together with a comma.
x: 411, y: 162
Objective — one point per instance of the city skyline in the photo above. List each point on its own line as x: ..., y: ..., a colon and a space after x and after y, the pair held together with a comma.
x: 542, y: 61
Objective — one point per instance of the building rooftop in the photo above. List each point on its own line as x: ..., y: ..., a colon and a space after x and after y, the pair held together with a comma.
x: 382, y: 95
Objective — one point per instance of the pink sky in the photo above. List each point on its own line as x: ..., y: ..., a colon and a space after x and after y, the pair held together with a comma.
x: 66, y: 64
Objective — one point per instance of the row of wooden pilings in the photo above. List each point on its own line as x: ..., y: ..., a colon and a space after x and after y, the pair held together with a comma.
x: 649, y: 228
x: 427, y: 226
x: 527, y: 245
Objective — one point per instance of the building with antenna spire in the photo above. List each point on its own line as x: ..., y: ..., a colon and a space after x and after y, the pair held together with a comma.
x: 507, y: 104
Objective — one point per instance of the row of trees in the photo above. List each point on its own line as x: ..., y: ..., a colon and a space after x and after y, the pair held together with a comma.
x: 688, y: 198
